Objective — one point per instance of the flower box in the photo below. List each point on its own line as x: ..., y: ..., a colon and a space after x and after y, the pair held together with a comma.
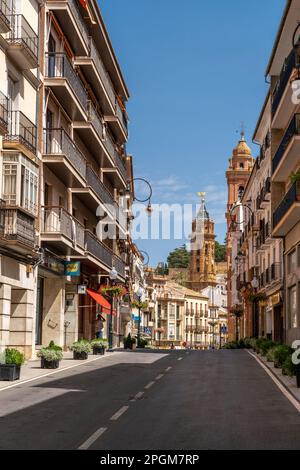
x: 9, y: 372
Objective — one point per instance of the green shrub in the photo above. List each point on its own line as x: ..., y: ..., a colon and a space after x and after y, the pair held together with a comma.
x: 50, y: 354
x: 265, y: 346
x: 281, y: 353
x: 14, y: 357
x: 82, y: 346
x: 270, y: 354
x: 100, y: 342
x: 247, y: 343
x: 288, y: 368
x: 54, y: 346
x: 231, y: 345
x: 143, y: 343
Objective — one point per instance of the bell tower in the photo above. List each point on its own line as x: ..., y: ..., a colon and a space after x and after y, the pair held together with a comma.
x: 202, y: 268
x: 240, y: 166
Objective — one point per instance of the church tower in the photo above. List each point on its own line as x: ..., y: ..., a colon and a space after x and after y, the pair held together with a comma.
x: 202, y: 268
x: 240, y: 166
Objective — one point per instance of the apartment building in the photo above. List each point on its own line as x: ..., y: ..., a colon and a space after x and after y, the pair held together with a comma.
x: 283, y: 71
x: 19, y: 171
x: 83, y: 128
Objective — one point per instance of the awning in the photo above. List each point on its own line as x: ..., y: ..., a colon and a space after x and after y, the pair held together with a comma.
x: 100, y: 301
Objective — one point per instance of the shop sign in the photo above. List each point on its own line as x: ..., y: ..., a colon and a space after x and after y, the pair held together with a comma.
x: 72, y: 268
x: 82, y: 290
x: 276, y: 299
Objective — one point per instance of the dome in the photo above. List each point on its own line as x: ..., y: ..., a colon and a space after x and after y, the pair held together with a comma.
x: 242, y: 148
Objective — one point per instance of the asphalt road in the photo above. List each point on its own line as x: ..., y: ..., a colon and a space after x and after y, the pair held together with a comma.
x: 152, y: 401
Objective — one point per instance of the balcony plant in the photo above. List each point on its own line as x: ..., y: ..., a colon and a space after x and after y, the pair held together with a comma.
x: 11, y: 369
x: 81, y: 350
x: 257, y: 297
x: 99, y: 345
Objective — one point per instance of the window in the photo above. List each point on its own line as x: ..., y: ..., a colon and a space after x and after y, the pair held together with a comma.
x: 20, y: 182
x: 292, y: 305
x: 292, y: 262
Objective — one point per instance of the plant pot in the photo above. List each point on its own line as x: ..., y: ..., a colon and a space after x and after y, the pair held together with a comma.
x: 9, y: 372
x: 80, y: 356
x: 49, y: 364
x: 98, y: 350
x: 277, y: 365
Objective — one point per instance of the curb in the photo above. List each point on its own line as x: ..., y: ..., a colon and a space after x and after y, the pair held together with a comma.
x: 277, y: 377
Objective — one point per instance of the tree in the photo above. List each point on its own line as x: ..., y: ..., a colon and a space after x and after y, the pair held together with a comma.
x: 220, y: 252
x: 179, y: 258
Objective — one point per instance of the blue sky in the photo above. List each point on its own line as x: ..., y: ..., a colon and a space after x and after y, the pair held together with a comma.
x: 195, y: 71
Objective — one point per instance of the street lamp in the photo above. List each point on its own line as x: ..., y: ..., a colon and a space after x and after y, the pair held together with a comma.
x: 149, y: 209
x: 139, y: 293
x: 113, y: 275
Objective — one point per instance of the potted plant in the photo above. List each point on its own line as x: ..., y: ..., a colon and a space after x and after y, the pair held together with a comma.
x: 129, y: 342
x: 11, y: 370
x: 99, y: 346
x: 280, y: 354
x: 50, y: 356
x: 81, y: 350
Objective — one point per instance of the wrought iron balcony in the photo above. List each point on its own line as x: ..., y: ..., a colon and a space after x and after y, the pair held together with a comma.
x: 98, y: 187
x: 23, y: 43
x: 98, y: 250
x: 292, y: 130
x: 20, y: 131
x: 58, y: 226
x: 17, y: 227
x: 283, y: 80
x: 59, y: 71
x: 63, y: 156
x: 287, y: 213
x: 3, y: 114
x: 105, y: 78
x: 5, y: 11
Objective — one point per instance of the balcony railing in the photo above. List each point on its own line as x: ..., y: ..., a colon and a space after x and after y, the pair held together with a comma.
x: 292, y: 130
x: 3, y: 110
x: 58, y: 65
x: 121, y: 115
x: 102, y: 71
x: 58, y: 142
x: 5, y: 11
x: 96, y: 248
x: 111, y: 148
x: 17, y: 226
x: 21, y: 130
x: 292, y: 196
x: 58, y: 221
x: 22, y: 33
x: 289, y: 64
x: 98, y: 187
x: 119, y: 265
x: 79, y: 21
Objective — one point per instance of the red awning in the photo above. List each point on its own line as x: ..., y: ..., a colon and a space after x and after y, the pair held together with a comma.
x: 100, y: 300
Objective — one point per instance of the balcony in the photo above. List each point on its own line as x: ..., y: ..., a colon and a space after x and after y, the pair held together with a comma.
x: 287, y: 214
x: 61, y: 231
x: 276, y: 272
x: 189, y: 329
x: 22, y: 43
x: 94, y: 193
x: 287, y: 154
x: 99, y: 78
x: 17, y: 229
x: 3, y: 114
x: 61, y: 77
x: 21, y: 133
x: 282, y: 104
x: 119, y: 121
x: 68, y: 14
x: 190, y: 313
x: 64, y: 158
x: 97, y: 251
x: 5, y: 11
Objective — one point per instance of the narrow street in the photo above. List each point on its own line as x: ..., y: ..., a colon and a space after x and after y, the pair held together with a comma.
x: 177, y: 401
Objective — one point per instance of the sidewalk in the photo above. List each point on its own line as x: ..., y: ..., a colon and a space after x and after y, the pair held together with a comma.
x: 289, y: 383
x: 32, y: 369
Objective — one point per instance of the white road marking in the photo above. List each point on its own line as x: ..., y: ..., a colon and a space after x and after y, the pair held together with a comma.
x: 119, y: 413
x: 87, y: 444
x: 283, y: 390
x: 160, y: 376
x: 138, y: 396
x: 180, y: 358
x: 149, y: 385
x: 57, y: 371
x: 168, y: 369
